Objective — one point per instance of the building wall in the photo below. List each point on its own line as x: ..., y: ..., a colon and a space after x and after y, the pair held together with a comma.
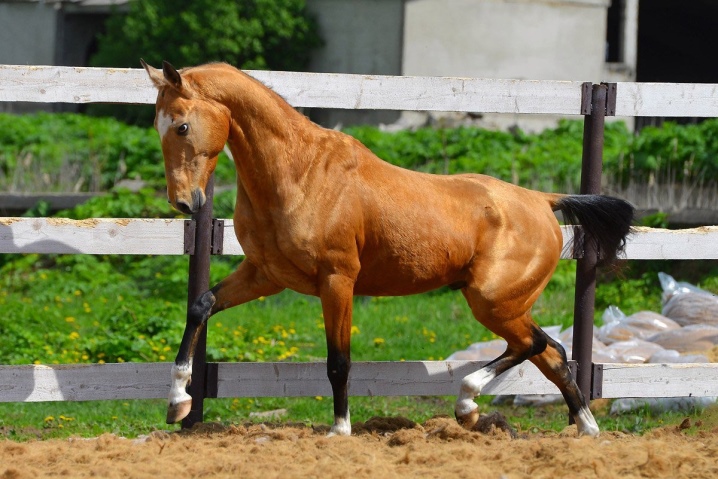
x: 363, y: 37
x: 27, y: 35
x: 508, y: 39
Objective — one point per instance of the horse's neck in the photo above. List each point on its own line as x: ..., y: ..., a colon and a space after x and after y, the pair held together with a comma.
x: 264, y: 138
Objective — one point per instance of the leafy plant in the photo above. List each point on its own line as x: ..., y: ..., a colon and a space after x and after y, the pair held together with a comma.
x: 249, y: 34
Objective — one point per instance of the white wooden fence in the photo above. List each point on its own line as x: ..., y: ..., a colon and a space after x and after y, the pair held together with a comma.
x: 166, y: 237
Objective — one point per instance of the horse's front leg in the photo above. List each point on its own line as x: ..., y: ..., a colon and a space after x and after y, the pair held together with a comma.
x: 336, y: 293
x: 245, y: 284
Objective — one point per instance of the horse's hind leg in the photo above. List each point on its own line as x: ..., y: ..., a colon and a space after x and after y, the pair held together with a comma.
x: 245, y: 284
x: 553, y: 364
x: 524, y: 339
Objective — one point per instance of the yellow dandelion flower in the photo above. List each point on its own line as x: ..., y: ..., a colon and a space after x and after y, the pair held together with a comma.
x: 70, y: 319
x: 378, y: 341
x: 355, y: 330
x: 49, y: 419
x: 74, y: 335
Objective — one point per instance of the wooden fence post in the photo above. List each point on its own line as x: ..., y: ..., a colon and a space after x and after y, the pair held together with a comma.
x: 199, y: 283
x: 598, y: 101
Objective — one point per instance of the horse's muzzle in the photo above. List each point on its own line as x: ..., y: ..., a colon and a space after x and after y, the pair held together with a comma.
x: 198, y: 200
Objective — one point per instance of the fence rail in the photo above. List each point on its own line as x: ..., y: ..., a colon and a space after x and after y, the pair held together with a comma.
x: 50, y: 84
x: 167, y: 237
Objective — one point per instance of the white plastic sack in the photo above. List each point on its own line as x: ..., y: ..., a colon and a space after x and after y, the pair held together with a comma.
x: 484, y: 351
x: 642, y: 325
x: 696, y: 337
x: 635, y: 351
x: 673, y: 356
x: 687, y: 304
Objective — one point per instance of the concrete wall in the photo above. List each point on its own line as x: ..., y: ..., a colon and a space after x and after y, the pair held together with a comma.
x: 27, y: 37
x: 27, y: 34
x: 363, y: 37
x: 522, y: 39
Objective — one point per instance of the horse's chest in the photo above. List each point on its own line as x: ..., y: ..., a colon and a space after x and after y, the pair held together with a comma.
x: 283, y: 254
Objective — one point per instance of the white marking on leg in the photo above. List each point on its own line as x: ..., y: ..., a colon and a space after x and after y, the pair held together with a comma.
x: 342, y: 426
x: 164, y: 121
x: 586, y: 423
x: 471, y: 387
x: 181, y: 374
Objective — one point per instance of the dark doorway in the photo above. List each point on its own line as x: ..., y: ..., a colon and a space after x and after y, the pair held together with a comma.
x: 677, y: 41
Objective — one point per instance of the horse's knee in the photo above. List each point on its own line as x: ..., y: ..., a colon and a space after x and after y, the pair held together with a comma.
x: 201, y: 309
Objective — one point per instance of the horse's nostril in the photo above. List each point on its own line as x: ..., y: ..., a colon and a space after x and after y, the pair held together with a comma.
x: 183, y: 207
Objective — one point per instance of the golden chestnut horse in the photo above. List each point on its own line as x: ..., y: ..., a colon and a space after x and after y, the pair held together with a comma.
x: 319, y: 213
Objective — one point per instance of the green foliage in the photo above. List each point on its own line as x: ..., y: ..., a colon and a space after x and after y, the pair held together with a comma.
x: 550, y: 160
x: 254, y: 34
x: 249, y: 34
x: 70, y: 152
x: 669, y: 153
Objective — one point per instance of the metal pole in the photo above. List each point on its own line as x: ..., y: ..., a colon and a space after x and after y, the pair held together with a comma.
x: 592, y: 162
x: 199, y: 283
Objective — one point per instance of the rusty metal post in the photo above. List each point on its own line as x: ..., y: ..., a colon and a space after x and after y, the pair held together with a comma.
x: 585, y: 294
x: 199, y: 283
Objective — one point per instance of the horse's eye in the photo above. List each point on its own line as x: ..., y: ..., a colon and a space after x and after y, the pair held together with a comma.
x: 183, y: 129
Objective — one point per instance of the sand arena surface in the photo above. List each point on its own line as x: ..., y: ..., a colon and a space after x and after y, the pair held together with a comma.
x: 384, y: 447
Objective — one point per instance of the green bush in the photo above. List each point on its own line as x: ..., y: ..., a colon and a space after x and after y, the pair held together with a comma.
x: 669, y: 153
x: 69, y: 152
x: 249, y: 34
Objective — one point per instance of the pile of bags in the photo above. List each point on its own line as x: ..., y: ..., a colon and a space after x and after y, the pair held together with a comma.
x: 684, y: 331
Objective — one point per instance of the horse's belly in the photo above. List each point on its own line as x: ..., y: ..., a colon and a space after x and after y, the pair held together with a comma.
x: 411, y: 272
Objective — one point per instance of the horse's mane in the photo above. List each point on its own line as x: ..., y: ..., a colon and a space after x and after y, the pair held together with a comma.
x: 219, y: 80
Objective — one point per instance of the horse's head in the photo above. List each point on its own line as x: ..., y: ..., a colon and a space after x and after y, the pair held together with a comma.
x: 193, y: 130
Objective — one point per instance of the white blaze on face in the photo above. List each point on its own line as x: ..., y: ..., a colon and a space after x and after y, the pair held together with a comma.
x: 164, y: 121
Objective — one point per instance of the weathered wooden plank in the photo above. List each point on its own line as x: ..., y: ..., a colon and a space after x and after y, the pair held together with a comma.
x: 645, y: 243
x: 48, y: 84
x: 361, y: 92
x: 161, y: 236
x: 667, y: 99
x: 690, y: 243
x: 659, y: 380
x: 91, y: 236
x: 86, y: 382
x: 34, y: 383
x: 406, y: 378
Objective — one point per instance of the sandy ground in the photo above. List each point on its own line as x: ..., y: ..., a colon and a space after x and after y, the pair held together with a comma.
x: 382, y: 447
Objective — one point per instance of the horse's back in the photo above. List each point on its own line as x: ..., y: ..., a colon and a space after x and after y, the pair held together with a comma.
x: 424, y: 231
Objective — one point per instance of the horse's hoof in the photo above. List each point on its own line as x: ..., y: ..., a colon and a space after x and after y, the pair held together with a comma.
x: 468, y: 420
x: 179, y: 411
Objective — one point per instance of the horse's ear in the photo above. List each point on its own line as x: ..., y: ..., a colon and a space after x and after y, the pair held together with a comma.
x: 171, y: 75
x: 155, y: 74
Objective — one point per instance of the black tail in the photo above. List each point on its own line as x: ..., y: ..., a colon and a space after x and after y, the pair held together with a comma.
x: 606, y: 222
